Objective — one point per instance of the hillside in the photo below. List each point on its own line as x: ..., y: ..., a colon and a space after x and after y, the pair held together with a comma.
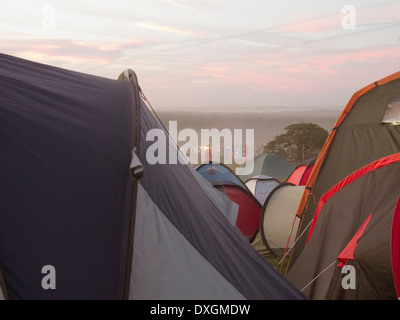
x: 266, y: 125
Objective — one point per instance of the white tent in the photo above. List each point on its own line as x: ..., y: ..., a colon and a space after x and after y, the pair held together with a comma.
x: 261, y: 186
x: 278, y: 222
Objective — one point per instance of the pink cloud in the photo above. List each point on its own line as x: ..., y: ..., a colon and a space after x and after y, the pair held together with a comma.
x: 45, y: 56
x: 295, y: 73
x: 243, y: 76
x: 365, y: 55
x: 147, y: 24
x: 389, y: 12
x: 314, y: 25
x: 218, y: 72
x: 178, y: 4
x: 48, y: 50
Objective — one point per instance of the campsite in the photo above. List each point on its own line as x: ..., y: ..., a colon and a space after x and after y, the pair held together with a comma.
x: 169, y: 159
x: 226, y: 211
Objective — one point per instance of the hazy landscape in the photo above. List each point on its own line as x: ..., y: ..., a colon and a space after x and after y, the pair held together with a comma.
x: 266, y: 125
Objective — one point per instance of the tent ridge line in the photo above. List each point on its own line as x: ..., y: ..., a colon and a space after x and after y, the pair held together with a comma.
x: 388, y: 160
x: 130, y: 76
x: 320, y: 160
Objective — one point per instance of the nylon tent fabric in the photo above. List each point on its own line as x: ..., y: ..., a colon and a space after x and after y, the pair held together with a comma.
x: 278, y: 222
x: 227, y: 207
x: 302, y: 172
x: 361, y: 136
x: 1, y: 294
x: 264, y: 251
x: 181, y: 273
x: 65, y: 148
x: 270, y: 165
x: 2, y: 287
x: 395, y: 247
x: 261, y: 186
x: 66, y: 142
x: 218, y: 171
x: 361, y: 207
x: 248, y: 217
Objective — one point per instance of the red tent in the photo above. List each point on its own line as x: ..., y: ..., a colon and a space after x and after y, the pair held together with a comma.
x: 300, y: 175
x: 248, y: 218
x: 395, y: 247
x: 356, y: 225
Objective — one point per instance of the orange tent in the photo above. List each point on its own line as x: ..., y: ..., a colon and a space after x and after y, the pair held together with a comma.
x: 360, y: 136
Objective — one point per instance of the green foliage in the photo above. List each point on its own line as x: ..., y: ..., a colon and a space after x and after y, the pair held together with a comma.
x: 300, y: 142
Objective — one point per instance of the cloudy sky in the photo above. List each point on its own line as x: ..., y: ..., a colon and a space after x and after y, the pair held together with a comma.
x: 215, y: 53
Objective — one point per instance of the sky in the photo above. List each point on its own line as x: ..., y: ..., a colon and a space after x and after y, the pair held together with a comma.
x: 215, y: 54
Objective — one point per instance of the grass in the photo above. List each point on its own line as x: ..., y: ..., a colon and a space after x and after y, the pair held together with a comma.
x: 274, y: 261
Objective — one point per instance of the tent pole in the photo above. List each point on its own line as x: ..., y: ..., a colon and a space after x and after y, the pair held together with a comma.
x: 129, y: 75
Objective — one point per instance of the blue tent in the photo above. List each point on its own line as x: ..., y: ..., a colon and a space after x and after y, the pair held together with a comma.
x: 82, y: 208
x: 219, y: 171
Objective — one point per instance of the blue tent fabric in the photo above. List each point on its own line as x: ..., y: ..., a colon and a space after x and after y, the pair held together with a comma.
x: 261, y: 186
x: 65, y: 149
x: 66, y: 142
x: 218, y: 171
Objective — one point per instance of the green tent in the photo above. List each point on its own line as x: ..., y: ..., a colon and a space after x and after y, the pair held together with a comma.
x: 270, y: 165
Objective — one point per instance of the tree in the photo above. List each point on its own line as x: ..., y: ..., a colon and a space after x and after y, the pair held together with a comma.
x: 300, y: 142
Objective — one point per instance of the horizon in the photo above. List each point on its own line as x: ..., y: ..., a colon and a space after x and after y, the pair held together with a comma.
x: 208, y: 55
x: 253, y: 109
